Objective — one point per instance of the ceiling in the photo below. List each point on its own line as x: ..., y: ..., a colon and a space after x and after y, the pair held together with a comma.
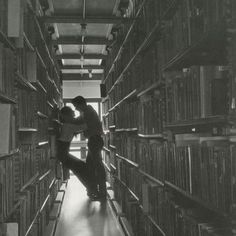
x: 82, y: 33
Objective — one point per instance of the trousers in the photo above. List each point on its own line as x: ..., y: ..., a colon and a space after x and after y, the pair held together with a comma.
x: 77, y: 166
x: 91, y: 173
x: 95, y: 164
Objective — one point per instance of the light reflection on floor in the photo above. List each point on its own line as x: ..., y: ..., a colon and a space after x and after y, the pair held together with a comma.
x: 81, y: 217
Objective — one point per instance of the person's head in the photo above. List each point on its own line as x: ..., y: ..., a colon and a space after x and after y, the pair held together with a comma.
x: 66, y: 114
x: 80, y: 103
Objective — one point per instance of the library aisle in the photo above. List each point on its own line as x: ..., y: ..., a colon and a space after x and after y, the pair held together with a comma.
x: 81, y: 217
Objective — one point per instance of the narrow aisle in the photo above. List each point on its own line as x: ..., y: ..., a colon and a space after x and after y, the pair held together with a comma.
x: 81, y: 217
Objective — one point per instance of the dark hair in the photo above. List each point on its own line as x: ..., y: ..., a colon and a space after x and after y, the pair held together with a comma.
x: 65, y: 111
x: 79, y: 100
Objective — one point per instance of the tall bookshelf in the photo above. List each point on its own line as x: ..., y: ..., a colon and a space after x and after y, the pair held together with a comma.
x: 169, y: 118
x: 30, y: 95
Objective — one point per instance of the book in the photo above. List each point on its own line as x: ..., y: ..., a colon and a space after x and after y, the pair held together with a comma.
x: 14, y: 18
x: 12, y: 229
x: 5, y: 128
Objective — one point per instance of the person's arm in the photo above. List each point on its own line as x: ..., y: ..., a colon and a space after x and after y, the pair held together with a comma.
x: 78, y: 121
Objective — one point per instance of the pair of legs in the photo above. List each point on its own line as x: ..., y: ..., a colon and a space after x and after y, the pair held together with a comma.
x: 96, y: 167
x: 78, y: 167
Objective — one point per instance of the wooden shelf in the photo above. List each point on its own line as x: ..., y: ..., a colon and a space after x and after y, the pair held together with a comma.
x: 12, y: 210
x: 194, y: 199
x: 44, y: 41
x: 124, y: 41
x: 37, y: 215
x: 52, y: 183
x: 152, y: 136
x: 41, y: 59
x: 129, y: 190
x: 105, y: 99
x: 107, y: 167
x: 106, y: 114
x: 24, y: 82
x: 156, y: 225
x: 40, y: 144
x: 147, y: 41
x: 129, y: 96
x: 6, y: 155
x: 106, y: 149
x: 128, y: 161
x: 112, y: 146
x: 44, y: 203
x: 7, y: 99
x: 112, y: 166
x: 26, y: 129
x: 49, y: 104
x: 150, y: 88
x: 127, y: 130
x: 28, y: 43
x: 125, y: 224
x: 39, y: 85
x: 30, y: 182
x: 44, y: 175
x: 41, y: 115
x: 159, y: 182
x: 197, y: 53
x: 32, y: 223
x: 4, y: 39
x: 209, y: 121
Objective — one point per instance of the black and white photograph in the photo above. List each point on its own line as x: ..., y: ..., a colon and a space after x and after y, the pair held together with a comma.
x: 117, y: 117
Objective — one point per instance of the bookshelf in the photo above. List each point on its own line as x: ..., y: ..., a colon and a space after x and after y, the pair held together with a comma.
x: 30, y: 89
x: 176, y: 65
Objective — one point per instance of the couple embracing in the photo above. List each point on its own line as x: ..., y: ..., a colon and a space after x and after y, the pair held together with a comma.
x: 92, y: 172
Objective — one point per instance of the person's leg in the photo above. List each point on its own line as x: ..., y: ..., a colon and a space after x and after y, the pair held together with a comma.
x: 95, y: 145
x: 92, y: 177
x: 77, y: 166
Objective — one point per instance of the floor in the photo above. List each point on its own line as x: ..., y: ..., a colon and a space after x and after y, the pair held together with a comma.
x: 81, y: 217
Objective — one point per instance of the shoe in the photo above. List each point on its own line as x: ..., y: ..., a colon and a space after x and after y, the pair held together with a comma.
x: 97, y: 197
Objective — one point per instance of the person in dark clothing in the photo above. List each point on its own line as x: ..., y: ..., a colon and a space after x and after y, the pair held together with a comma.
x: 95, y: 143
x: 67, y: 132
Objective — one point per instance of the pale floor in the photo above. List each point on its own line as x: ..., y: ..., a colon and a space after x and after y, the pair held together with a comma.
x: 81, y: 217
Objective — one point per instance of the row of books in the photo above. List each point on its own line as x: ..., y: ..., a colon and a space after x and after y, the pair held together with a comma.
x: 42, y: 127
x: 7, y: 128
x: 129, y: 207
x: 3, y: 16
x: 122, y: 89
x: 203, y: 171
x: 126, y: 116
x: 34, y: 207
x: 193, y: 221
x: 126, y: 145
x: 140, y: 221
x: 159, y: 213
x: 119, y: 34
x: 8, y: 187
x: 190, y: 22
x: 7, y: 75
x: 150, y: 15
x: 130, y: 176
x: 197, y: 92
x: 151, y: 157
x: 26, y: 106
x: 142, y: 72
x: 152, y: 113
x: 153, y: 198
